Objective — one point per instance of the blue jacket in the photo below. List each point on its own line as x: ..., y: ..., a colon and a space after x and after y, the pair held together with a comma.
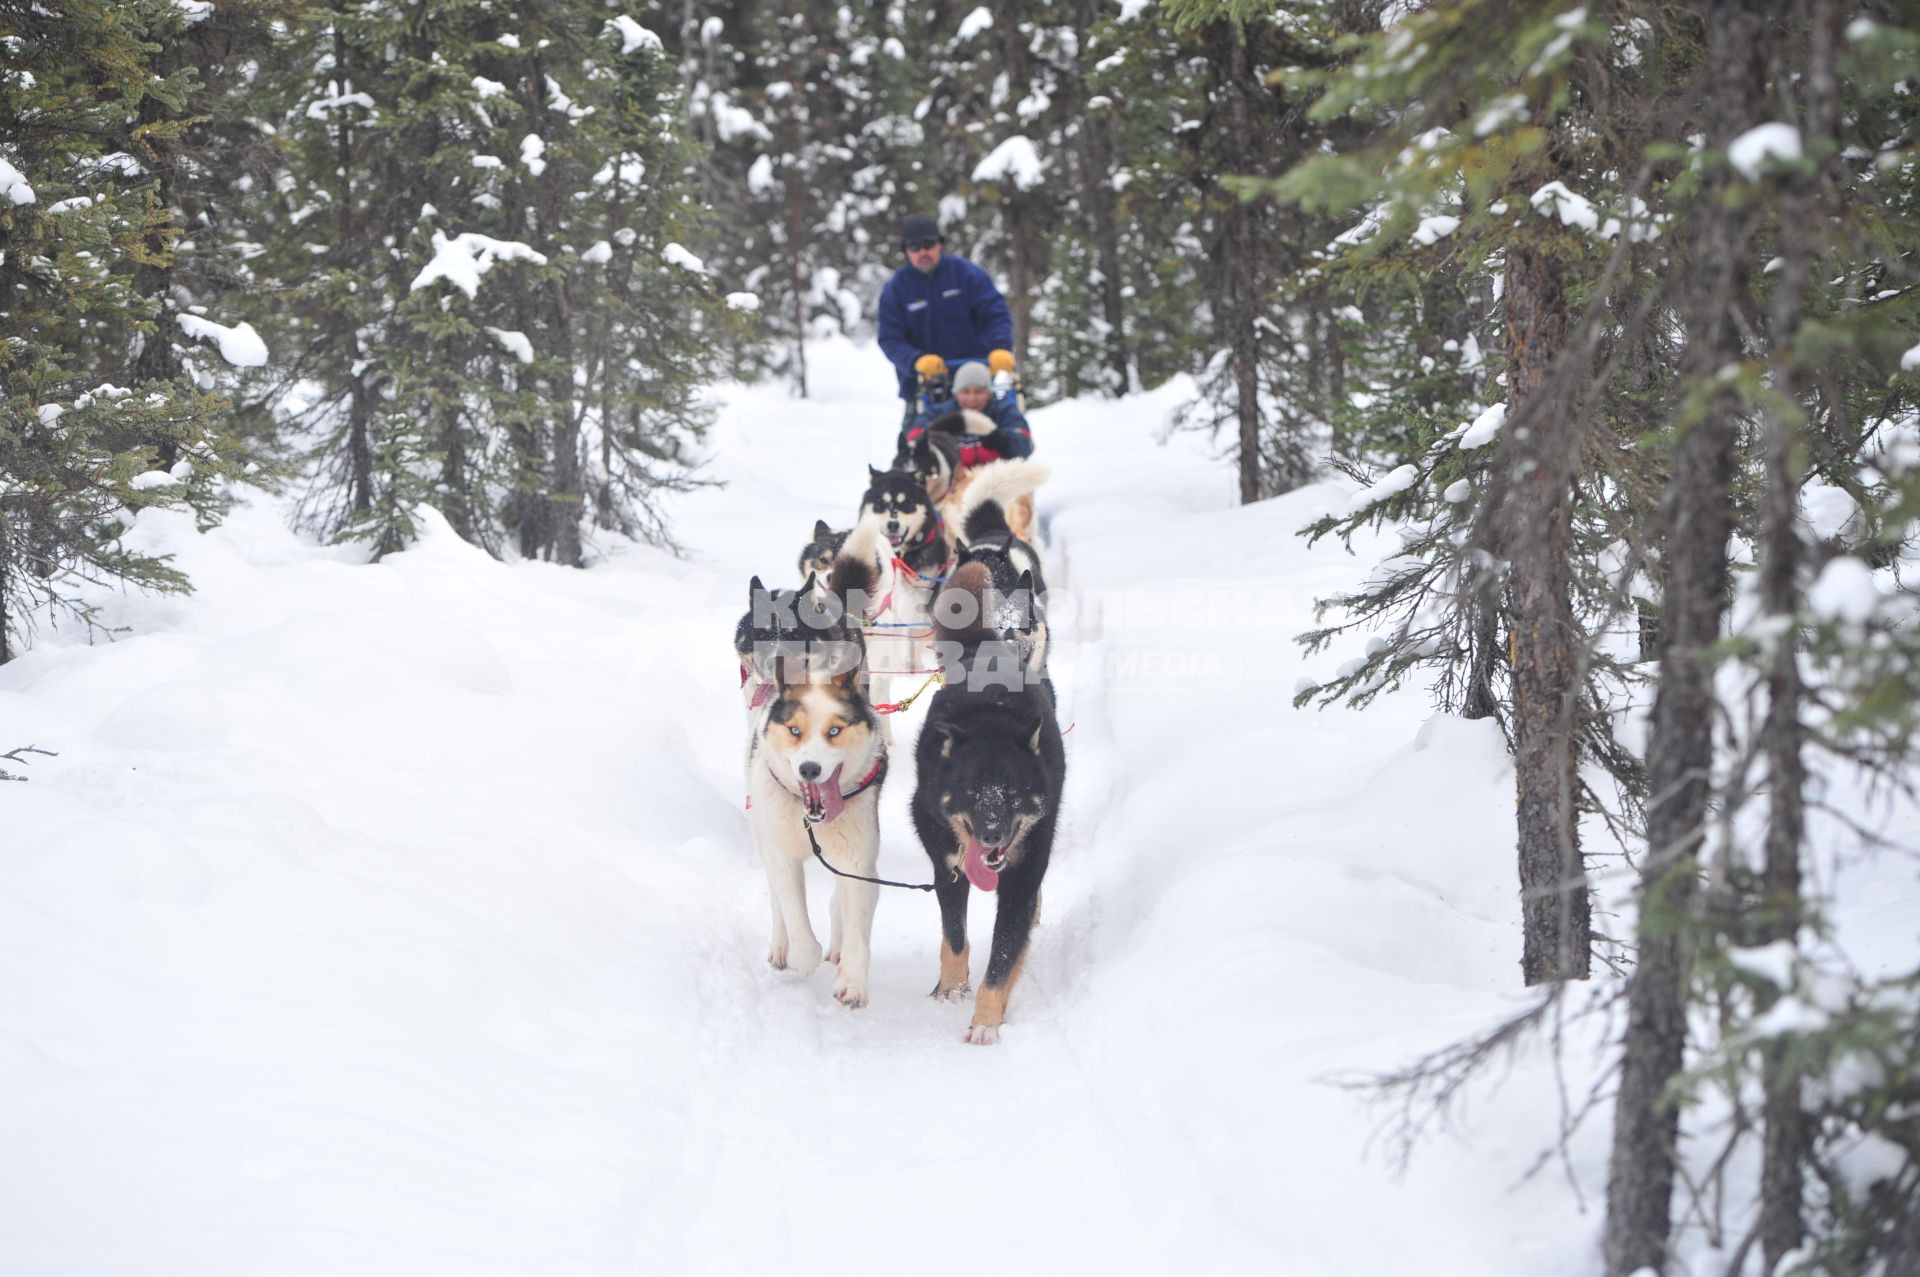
x: 1013, y: 438
x: 954, y: 312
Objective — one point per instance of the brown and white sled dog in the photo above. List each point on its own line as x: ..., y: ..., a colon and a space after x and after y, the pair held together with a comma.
x: 1008, y: 484
x: 935, y: 457
x: 816, y: 762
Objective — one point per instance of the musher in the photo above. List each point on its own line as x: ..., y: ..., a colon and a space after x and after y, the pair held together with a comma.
x: 939, y: 306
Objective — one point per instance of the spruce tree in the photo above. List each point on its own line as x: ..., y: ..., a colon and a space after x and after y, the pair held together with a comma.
x: 516, y: 331
x: 94, y: 425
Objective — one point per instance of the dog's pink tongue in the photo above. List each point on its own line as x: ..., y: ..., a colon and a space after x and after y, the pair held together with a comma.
x: 979, y: 873
x: 825, y: 796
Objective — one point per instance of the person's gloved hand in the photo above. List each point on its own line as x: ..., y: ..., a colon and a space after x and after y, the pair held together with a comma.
x: 930, y: 365
x: 1000, y: 360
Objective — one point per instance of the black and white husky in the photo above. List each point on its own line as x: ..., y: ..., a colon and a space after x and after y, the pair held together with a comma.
x: 991, y: 769
x: 816, y: 557
x: 815, y: 764
x: 913, y: 546
x: 898, y: 508
x: 1017, y: 584
x: 934, y: 454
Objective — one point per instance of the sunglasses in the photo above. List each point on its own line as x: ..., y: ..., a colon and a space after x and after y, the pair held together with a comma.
x: 922, y: 245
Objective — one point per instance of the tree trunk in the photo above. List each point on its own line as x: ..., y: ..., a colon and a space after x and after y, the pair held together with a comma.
x: 6, y: 640
x: 1239, y: 265
x: 797, y: 248
x: 1483, y: 656
x: 1786, y: 1140
x: 566, y: 498
x: 158, y: 360
x: 343, y: 329
x: 1017, y: 207
x: 1096, y: 161
x: 1542, y: 458
x: 1696, y: 521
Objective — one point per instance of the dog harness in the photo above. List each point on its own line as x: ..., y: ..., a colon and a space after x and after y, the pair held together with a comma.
x: 899, y: 565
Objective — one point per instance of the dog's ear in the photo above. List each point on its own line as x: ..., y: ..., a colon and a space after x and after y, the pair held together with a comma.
x: 1033, y: 741
x: 755, y: 591
x: 821, y: 532
x: 946, y: 739
x: 874, y: 476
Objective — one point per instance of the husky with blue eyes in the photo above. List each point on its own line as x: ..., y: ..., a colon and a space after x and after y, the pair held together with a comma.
x: 815, y: 764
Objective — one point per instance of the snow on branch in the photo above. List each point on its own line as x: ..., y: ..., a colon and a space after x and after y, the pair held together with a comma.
x: 463, y: 259
x: 13, y: 185
x: 240, y: 345
x: 680, y: 257
x: 1395, y: 482
x: 1750, y: 152
x: 634, y: 36
x: 514, y: 343
x: 338, y: 95
x: 1015, y: 161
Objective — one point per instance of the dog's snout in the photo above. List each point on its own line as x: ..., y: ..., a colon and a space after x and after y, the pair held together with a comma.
x: 809, y: 771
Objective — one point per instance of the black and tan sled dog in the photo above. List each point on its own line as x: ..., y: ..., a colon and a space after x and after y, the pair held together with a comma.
x: 991, y: 767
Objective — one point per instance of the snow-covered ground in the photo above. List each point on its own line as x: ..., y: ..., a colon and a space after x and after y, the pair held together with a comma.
x: 402, y: 918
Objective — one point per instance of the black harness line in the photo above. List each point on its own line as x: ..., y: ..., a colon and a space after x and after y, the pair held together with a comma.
x: 883, y: 882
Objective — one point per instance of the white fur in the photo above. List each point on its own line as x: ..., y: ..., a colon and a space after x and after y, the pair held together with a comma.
x: 851, y: 843
x: 1004, y: 481
x: 900, y: 609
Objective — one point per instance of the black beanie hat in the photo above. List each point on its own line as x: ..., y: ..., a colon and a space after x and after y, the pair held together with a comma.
x: 919, y: 227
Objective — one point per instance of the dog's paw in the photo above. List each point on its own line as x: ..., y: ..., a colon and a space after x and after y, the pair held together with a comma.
x: 777, y: 955
x: 803, y: 960
x: 983, y: 1034
x: 850, y: 995
x: 833, y: 958
x: 958, y: 993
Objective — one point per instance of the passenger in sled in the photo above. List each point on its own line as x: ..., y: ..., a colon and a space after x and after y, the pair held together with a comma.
x: 973, y: 392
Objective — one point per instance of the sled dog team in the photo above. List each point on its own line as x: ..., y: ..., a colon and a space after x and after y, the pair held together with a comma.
x: 935, y: 583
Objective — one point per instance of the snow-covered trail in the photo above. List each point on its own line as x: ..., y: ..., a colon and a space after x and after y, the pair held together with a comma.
x: 864, y: 1135
x: 1137, y: 1114
x: 402, y: 918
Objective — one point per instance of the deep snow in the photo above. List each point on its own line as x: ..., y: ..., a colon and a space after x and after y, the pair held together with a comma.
x: 402, y: 918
